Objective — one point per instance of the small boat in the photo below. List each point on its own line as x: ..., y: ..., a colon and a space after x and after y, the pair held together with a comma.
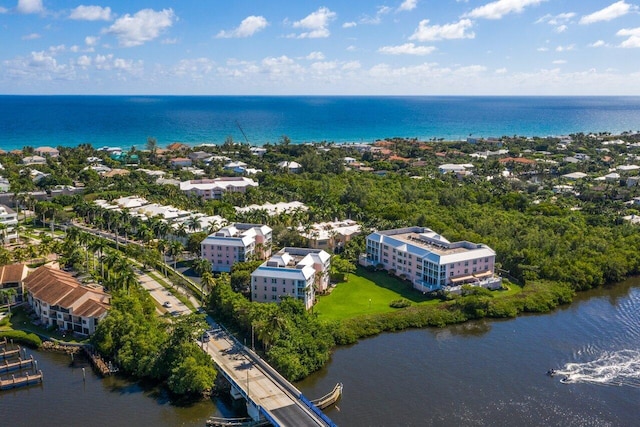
x: 551, y: 372
x: 565, y: 380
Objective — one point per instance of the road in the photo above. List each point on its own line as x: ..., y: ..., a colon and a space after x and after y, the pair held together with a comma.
x: 169, y: 303
x: 261, y: 383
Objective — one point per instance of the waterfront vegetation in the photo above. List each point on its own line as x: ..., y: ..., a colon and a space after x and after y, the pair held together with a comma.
x: 146, y: 346
x: 549, y: 244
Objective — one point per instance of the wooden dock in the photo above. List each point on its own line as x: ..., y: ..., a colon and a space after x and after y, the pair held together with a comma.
x: 17, y: 365
x: 21, y: 381
x: 8, y: 354
x: 98, y: 363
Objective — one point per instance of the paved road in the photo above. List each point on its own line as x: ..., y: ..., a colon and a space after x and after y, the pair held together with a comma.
x: 162, y: 296
x: 262, y: 387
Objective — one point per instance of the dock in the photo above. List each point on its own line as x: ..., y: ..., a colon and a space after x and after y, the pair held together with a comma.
x: 21, y: 381
x: 17, y: 365
x: 8, y: 354
x: 330, y: 398
x: 98, y: 363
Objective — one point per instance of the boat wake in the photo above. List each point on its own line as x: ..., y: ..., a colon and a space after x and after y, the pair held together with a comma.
x: 620, y: 368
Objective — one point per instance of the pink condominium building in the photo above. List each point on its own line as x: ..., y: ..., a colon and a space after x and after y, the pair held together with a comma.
x: 292, y: 272
x: 429, y: 260
x: 236, y: 243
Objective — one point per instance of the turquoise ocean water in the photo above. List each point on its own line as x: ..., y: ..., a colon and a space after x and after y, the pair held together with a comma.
x: 128, y: 120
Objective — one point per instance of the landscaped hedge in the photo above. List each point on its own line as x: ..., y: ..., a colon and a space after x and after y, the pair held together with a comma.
x: 22, y: 337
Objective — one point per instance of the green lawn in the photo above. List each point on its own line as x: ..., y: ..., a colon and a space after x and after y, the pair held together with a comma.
x: 20, y: 321
x: 371, y: 292
x: 366, y: 293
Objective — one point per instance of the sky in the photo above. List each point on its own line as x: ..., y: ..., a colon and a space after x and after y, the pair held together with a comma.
x: 332, y: 47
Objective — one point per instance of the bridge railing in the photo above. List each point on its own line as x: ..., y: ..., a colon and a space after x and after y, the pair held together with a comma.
x: 317, y: 411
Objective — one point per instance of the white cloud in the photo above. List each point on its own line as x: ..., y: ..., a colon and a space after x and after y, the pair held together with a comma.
x: 84, y: 61
x: 633, y: 37
x: 109, y: 62
x: 375, y: 20
x: 458, y: 30
x: 248, y: 27
x: 316, y: 23
x: 408, y: 5
x: 542, y: 49
x: 31, y: 36
x: 561, y: 29
x: 144, y: 26
x: 91, y: 13
x: 561, y: 18
x: 599, y: 43
x: 351, y: 48
x: 3, y: 10
x: 565, y: 48
x: 407, y: 49
x: 91, y: 40
x: 195, y: 68
x: 609, y: 13
x: 559, y: 62
x: 29, y: 6
x: 351, y: 66
x: 349, y: 24
x: 501, y: 71
x: 315, y: 56
x: 500, y: 8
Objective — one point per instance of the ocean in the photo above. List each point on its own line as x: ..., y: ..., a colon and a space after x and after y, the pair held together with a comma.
x: 126, y: 121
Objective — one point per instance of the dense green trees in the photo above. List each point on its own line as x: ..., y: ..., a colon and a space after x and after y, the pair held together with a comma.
x: 147, y: 346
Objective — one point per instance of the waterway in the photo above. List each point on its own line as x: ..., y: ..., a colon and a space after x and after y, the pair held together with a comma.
x: 486, y: 373
x: 493, y: 373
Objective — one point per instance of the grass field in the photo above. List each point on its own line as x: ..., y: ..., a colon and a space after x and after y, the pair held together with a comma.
x: 366, y: 293
x: 371, y: 292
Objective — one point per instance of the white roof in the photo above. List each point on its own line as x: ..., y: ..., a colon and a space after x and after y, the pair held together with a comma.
x: 274, y: 209
x: 628, y: 167
x: 575, y: 175
x: 290, y: 165
x: 217, y: 183
x: 323, y: 230
x: 130, y: 202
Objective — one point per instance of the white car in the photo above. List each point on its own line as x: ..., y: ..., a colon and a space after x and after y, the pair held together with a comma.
x: 166, y: 304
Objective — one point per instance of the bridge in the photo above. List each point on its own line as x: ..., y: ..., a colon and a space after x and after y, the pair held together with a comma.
x: 269, y: 396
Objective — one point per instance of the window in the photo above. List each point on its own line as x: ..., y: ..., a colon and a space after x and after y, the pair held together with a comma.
x: 466, y: 270
x: 284, y: 290
x: 265, y: 288
x: 255, y: 287
x: 475, y: 261
x: 274, y: 289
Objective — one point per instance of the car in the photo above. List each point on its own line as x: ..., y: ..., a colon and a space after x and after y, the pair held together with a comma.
x: 205, y: 337
x: 166, y: 304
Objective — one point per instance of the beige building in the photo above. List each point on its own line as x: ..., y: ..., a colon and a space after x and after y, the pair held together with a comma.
x: 60, y: 300
x: 330, y: 235
x: 12, y: 277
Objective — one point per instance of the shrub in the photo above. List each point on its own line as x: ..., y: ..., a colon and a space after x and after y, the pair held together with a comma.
x: 22, y: 337
x: 400, y: 303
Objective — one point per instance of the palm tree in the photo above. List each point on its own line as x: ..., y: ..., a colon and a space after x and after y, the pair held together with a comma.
x: 194, y: 224
x: 175, y: 249
x: 208, y: 282
x: 201, y: 266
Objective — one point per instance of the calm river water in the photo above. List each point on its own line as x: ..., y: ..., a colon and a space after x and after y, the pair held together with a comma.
x: 489, y: 373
